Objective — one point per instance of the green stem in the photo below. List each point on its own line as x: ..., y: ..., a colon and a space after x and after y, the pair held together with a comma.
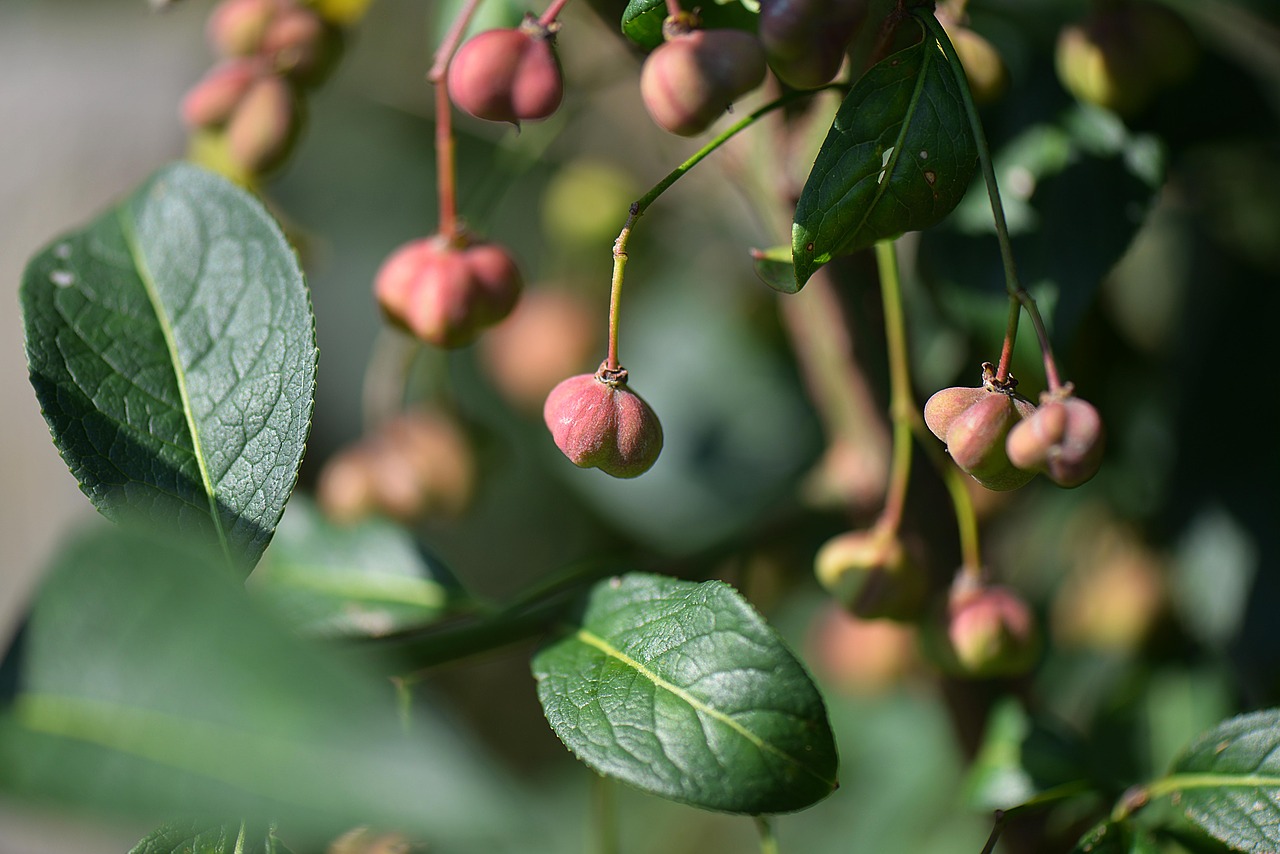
x: 768, y: 839
x: 1018, y: 295
x: 996, y: 829
x: 901, y: 403
x: 604, y: 808
x: 642, y: 204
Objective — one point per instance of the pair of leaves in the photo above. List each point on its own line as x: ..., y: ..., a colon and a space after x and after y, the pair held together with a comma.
x: 172, y: 347
x: 682, y: 690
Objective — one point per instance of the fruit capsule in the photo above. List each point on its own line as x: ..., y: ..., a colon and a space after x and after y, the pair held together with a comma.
x: 507, y: 75
x: 597, y: 422
x: 692, y: 78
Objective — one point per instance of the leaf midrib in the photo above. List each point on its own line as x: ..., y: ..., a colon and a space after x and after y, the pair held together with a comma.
x: 591, y: 639
x: 147, y: 279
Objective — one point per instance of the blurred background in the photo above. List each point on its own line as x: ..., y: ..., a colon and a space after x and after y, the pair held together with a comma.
x: 1151, y: 243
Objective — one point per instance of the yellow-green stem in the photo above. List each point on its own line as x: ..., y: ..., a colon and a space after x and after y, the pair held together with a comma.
x: 1018, y: 296
x: 604, y: 808
x: 639, y: 206
x: 768, y: 839
x: 901, y: 403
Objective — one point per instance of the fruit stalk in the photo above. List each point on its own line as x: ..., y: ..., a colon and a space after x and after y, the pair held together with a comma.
x: 553, y: 11
x: 901, y: 405
x: 445, y: 169
x: 1018, y: 296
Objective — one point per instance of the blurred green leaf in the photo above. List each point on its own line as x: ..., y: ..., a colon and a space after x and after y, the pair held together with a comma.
x: 1115, y: 838
x: 149, y: 685
x: 682, y: 690
x: 342, y: 580
x: 172, y: 347
x: 899, y: 157
x: 199, y: 837
x: 1228, y: 781
x: 1021, y: 757
x: 775, y: 269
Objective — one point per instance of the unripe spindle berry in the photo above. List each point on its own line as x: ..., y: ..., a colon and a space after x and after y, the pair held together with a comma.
x: 509, y: 75
x: 804, y: 40
x: 264, y: 125
x: 693, y: 77
x: 870, y: 573
x: 991, y: 630
x: 1063, y: 438
x: 301, y: 45
x: 236, y: 27
x: 974, y: 423
x: 214, y: 98
x: 445, y: 293
x: 600, y: 423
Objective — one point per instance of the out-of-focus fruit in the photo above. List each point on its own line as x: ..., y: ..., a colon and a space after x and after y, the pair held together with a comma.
x: 236, y: 27
x: 552, y: 333
x: 1113, y: 594
x: 597, y: 422
x: 870, y: 573
x: 983, y: 66
x: 804, y: 40
x: 446, y: 292
x: 214, y: 98
x: 507, y: 75
x: 692, y: 78
x: 991, y: 630
x: 264, y: 125
x: 860, y: 656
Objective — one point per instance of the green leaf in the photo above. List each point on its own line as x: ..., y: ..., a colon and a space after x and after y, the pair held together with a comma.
x: 366, y: 579
x: 774, y: 267
x: 149, y: 685
x: 172, y: 347
x: 1115, y: 838
x: 682, y: 690
x: 1228, y: 782
x: 642, y: 19
x: 202, y: 837
x: 1021, y: 757
x: 899, y: 157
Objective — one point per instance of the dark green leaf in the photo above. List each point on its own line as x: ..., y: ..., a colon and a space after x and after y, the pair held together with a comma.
x: 172, y: 347
x: 364, y: 579
x: 642, y: 19
x: 1115, y: 838
x: 202, y: 837
x: 1228, y: 781
x: 681, y: 689
x: 899, y: 157
x: 149, y: 685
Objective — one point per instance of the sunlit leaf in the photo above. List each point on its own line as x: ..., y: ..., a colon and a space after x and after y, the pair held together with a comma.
x: 681, y: 689
x: 899, y: 157
x: 172, y: 347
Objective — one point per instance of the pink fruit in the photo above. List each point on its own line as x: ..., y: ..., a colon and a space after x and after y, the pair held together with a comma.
x: 1063, y: 438
x: 600, y: 423
x: 552, y: 333
x: 236, y: 27
x: 804, y: 40
x: 447, y: 294
x: 264, y: 125
x: 991, y: 630
x: 213, y: 100
x: 689, y: 80
x: 974, y: 423
x: 509, y: 75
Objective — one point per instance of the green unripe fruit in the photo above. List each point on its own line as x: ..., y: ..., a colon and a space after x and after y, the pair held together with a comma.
x: 870, y: 573
x: 597, y: 422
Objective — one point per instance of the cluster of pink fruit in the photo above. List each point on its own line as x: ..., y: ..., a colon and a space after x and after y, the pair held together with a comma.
x: 270, y: 50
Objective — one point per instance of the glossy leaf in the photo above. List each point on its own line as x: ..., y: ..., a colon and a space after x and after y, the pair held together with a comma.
x: 773, y: 266
x: 899, y: 157
x: 1228, y: 782
x: 642, y: 19
x: 366, y: 579
x: 149, y: 685
x: 202, y: 837
x: 682, y: 690
x: 172, y: 347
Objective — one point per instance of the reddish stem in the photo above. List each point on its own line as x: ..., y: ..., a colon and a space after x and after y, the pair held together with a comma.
x: 445, y: 167
x: 553, y: 11
x: 673, y: 8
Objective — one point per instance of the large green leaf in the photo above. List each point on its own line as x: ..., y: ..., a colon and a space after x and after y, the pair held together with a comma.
x: 203, y: 837
x: 1228, y: 781
x: 899, y: 157
x: 172, y: 347
x: 681, y: 689
x: 365, y: 579
x: 148, y: 684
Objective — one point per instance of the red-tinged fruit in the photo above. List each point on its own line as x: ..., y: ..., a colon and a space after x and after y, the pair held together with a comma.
x: 507, y: 75
x: 264, y: 125
x: 553, y: 332
x: 236, y: 27
x: 693, y: 77
x: 301, y: 45
x: 213, y: 99
x: 1064, y: 439
x: 446, y: 292
x: 870, y: 573
x: 984, y: 69
x: 597, y: 422
x: 804, y: 40
x: 991, y: 631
